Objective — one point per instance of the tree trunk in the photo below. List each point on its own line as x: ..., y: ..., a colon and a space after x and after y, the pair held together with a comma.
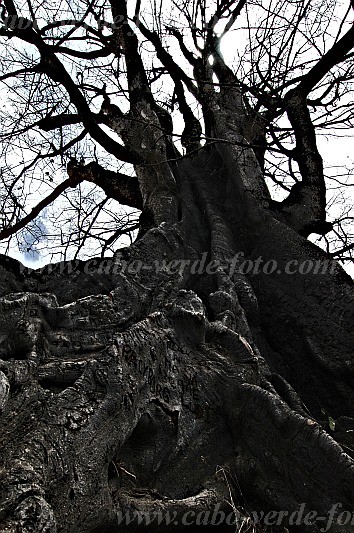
x: 166, y: 380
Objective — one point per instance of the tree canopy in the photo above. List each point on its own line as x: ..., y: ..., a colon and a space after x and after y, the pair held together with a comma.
x: 77, y: 78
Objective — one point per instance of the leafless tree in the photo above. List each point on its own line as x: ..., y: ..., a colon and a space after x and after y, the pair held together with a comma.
x: 171, y: 378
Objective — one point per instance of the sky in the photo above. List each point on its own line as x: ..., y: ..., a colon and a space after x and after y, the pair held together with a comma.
x: 335, y: 152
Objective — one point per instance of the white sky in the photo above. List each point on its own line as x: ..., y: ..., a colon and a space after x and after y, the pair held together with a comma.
x: 335, y: 151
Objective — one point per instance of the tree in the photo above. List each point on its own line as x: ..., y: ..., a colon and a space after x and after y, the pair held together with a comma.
x: 209, y: 363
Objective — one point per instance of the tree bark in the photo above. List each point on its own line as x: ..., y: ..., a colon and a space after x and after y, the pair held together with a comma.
x: 143, y: 384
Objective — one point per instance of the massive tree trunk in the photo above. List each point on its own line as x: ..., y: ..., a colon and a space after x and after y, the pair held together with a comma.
x: 167, y: 380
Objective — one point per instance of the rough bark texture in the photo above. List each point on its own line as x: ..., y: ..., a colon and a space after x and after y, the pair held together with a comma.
x: 163, y: 389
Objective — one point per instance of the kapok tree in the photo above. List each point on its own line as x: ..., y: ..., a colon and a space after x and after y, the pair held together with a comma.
x: 210, y: 362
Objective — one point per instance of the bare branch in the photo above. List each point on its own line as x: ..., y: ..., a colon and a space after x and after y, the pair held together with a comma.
x: 192, y: 130
x: 58, y: 121
x: 51, y: 66
x: 70, y: 182
x: 123, y: 188
x: 335, y: 55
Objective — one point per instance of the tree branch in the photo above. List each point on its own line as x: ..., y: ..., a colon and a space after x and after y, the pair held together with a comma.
x: 124, y: 39
x: 342, y: 250
x: 69, y: 182
x: 55, y: 70
x: 306, y: 204
x: 19, y: 72
x: 120, y: 187
x: 123, y: 188
x: 335, y: 55
x: 236, y: 12
x: 187, y: 53
x: 65, y: 119
x: 92, y: 54
x: 192, y: 131
x: 176, y: 72
x: 305, y: 207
